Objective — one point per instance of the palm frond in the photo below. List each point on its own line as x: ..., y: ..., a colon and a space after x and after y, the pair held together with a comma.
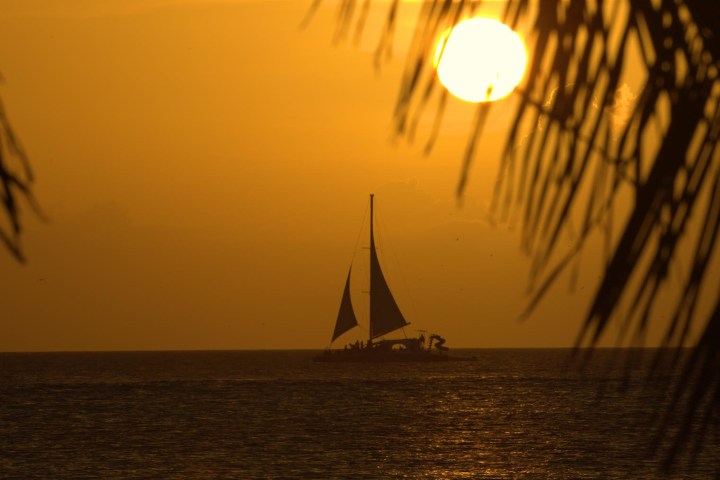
x: 16, y: 180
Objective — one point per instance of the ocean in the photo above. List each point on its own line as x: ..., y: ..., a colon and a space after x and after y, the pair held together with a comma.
x: 512, y: 414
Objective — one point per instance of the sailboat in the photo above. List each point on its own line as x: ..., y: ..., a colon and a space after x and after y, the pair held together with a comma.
x: 385, y: 318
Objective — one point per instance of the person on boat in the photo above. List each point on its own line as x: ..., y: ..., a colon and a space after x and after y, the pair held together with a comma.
x: 439, y: 343
x: 422, y: 339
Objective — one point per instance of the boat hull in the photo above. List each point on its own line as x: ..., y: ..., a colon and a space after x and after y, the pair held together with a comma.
x: 370, y: 356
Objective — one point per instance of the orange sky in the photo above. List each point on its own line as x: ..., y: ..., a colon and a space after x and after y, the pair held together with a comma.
x: 205, y: 166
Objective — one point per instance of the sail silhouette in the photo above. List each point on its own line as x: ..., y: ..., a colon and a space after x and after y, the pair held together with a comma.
x: 385, y: 315
x: 346, y: 316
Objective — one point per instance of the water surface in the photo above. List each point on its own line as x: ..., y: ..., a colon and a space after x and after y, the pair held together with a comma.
x: 276, y: 414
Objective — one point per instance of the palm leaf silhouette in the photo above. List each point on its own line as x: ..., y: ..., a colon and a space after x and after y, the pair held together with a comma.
x: 16, y: 180
x: 567, y: 162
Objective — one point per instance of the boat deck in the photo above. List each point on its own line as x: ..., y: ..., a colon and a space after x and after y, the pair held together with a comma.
x: 373, y: 356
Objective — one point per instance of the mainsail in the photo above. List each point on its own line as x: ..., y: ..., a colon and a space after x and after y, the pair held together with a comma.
x: 346, y: 316
x: 385, y: 315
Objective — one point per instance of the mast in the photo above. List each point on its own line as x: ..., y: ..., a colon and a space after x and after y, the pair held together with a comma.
x: 372, y: 253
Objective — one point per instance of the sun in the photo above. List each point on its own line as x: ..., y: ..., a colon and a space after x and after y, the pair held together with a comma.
x: 480, y: 60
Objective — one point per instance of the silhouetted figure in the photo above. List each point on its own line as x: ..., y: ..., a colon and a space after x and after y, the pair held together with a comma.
x: 439, y: 341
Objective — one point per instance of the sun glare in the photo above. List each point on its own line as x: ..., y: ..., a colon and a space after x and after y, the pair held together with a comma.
x: 480, y: 60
